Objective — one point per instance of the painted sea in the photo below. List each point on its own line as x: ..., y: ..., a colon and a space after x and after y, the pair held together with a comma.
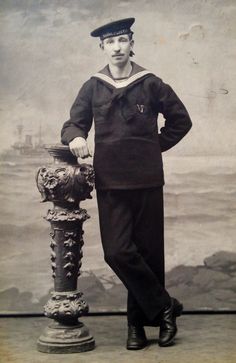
x: 200, y: 220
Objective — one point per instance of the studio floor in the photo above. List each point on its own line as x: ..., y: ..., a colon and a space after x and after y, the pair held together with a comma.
x: 201, y: 339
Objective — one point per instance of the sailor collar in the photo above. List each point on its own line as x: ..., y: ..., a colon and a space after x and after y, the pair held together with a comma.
x: 136, y: 73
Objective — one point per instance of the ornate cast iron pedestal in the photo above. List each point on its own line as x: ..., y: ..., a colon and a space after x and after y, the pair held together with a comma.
x: 65, y: 183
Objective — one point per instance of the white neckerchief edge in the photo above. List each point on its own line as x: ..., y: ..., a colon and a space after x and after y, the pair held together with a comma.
x: 123, y: 83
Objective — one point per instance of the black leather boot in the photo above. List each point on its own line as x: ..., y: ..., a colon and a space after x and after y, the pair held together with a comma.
x: 136, y: 338
x: 168, y: 327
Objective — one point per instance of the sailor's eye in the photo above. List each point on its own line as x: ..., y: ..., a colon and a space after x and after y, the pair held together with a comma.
x: 109, y: 41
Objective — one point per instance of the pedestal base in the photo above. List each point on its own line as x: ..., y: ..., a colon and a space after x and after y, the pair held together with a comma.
x: 58, y: 338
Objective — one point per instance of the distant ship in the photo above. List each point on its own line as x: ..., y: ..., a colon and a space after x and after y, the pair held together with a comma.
x: 27, y: 148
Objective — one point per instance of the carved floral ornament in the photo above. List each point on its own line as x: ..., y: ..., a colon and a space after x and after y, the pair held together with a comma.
x: 66, y: 306
x: 72, y: 251
x: 70, y: 183
x: 54, y: 215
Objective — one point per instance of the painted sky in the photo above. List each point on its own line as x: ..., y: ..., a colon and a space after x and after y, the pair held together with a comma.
x: 47, y: 53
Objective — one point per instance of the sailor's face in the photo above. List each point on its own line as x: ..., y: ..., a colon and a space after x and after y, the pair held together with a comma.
x: 117, y: 49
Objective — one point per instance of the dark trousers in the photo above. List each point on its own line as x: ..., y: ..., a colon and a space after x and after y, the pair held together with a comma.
x: 131, y: 225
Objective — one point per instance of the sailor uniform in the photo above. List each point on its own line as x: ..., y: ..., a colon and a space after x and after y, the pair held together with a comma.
x: 129, y: 176
x: 127, y: 144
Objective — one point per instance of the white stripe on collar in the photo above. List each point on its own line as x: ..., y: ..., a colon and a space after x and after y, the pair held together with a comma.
x: 122, y: 83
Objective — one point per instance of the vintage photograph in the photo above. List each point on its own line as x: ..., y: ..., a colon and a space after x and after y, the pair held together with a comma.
x: 118, y: 163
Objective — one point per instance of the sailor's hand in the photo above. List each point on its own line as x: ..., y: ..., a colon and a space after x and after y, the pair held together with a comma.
x: 79, y: 148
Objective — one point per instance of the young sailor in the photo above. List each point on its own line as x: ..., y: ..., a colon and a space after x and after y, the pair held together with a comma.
x: 124, y: 100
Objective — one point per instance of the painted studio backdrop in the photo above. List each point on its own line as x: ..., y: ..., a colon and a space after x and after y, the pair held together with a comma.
x: 46, y: 55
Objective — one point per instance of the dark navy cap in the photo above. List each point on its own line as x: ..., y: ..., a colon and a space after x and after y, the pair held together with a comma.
x: 114, y: 28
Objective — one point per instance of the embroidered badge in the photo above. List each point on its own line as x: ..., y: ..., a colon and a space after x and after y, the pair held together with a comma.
x: 140, y: 108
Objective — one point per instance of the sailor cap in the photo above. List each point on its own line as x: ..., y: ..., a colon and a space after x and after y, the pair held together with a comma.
x: 114, y: 28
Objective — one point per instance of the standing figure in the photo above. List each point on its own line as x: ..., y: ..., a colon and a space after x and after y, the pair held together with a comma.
x: 124, y: 100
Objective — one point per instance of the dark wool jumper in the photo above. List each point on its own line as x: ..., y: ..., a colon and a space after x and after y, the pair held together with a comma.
x: 128, y: 146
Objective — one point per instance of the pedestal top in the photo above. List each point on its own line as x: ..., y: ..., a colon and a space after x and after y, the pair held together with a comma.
x: 61, y: 153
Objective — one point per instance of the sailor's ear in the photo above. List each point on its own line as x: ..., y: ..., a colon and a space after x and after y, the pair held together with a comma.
x: 131, y: 54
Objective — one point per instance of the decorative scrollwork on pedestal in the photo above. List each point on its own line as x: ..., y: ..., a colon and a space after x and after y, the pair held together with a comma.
x: 71, y: 183
x: 66, y: 307
x: 66, y: 215
x: 52, y: 244
x: 69, y: 242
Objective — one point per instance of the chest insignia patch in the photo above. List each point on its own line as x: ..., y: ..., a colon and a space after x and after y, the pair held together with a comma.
x: 140, y: 108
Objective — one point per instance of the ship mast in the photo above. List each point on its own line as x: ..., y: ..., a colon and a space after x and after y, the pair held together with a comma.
x: 19, y: 132
x: 40, y: 134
